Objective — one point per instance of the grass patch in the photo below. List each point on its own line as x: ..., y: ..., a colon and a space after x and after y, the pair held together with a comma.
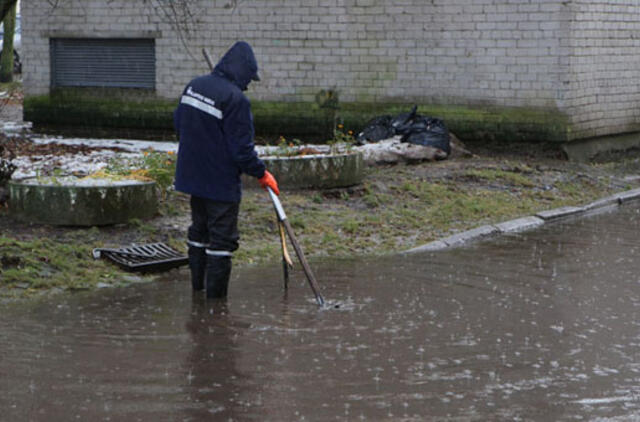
x: 402, y: 209
x: 395, y: 209
x: 493, y: 175
x: 11, y: 86
x: 44, y: 264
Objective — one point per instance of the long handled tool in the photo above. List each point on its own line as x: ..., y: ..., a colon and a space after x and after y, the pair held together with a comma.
x: 282, y: 219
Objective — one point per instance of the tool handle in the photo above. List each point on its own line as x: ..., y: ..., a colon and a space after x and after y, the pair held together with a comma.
x: 277, y: 205
x: 305, y: 265
x: 296, y: 246
x: 207, y: 57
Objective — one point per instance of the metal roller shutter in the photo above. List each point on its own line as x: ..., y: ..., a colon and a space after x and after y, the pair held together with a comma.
x: 111, y: 62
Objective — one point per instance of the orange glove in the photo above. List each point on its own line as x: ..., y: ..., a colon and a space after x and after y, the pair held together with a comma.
x: 268, y: 181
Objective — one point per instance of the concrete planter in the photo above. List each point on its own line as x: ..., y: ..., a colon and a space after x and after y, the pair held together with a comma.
x: 315, y: 171
x: 71, y: 203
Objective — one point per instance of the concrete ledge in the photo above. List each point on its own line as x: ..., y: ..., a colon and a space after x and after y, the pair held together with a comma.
x: 69, y: 204
x: 630, y: 195
x: 558, y: 213
x: 600, y: 210
x: 586, y: 150
x: 436, y: 245
x: 320, y: 171
x: 80, y: 33
x: 469, y: 235
x: 520, y: 224
x: 604, y: 202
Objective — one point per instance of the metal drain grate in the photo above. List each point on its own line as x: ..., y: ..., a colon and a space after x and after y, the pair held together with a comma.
x: 143, y: 258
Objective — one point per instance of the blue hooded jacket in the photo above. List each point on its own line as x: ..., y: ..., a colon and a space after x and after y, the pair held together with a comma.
x: 214, y: 125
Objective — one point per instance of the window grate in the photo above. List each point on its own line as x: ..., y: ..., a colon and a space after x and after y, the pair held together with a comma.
x: 98, y: 62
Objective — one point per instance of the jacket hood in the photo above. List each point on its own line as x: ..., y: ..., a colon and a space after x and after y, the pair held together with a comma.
x: 239, y: 65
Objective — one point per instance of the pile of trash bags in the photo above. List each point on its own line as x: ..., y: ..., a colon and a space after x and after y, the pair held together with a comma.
x: 412, y: 128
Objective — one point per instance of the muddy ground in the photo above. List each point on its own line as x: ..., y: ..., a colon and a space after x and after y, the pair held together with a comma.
x: 520, y: 171
x: 397, y: 207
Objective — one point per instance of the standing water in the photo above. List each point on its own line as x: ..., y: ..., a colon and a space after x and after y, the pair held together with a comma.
x: 537, y: 326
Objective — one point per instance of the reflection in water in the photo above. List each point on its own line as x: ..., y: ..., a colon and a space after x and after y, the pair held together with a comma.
x: 541, y: 325
x: 212, y: 381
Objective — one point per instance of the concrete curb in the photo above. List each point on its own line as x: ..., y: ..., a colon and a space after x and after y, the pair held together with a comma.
x: 468, y: 235
x: 520, y: 224
x: 436, y: 245
x: 530, y: 222
x: 629, y: 195
x: 557, y: 213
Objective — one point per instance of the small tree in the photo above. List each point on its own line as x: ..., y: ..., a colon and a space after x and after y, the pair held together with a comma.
x: 5, y: 7
x: 6, y: 57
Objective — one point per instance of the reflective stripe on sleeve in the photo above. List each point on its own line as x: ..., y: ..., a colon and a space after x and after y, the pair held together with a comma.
x: 196, y: 244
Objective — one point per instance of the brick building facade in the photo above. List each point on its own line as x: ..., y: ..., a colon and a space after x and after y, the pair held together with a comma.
x: 579, y: 58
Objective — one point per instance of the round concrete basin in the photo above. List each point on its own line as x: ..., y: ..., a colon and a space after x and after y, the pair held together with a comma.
x: 71, y: 201
x: 315, y: 171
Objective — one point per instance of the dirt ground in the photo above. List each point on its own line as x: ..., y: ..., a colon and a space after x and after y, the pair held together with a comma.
x: 543, y: 166
x: 397, y: 207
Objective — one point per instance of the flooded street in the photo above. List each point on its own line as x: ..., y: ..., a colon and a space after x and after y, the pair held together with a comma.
x: 537, y: 326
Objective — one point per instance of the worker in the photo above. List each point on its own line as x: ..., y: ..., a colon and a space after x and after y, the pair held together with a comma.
x: 214, y: 125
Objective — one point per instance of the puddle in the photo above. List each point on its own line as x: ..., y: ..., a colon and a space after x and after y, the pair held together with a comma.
x: 541, y: 325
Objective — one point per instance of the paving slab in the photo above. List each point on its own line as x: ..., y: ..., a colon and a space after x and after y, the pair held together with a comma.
x: 469, y: 235
x: 520, y: 224
x: 630, y: 195
x: 608, y: 201
x: 561, y: 212
x: 600, y: 210
x: 436, y: 245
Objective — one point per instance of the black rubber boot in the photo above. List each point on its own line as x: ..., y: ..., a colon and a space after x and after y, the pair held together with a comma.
x: 198, y: 266
x: 218, y: 272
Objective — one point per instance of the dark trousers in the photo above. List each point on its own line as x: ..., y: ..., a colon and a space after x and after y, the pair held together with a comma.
x: 213, y: 236
x: 214, y: 224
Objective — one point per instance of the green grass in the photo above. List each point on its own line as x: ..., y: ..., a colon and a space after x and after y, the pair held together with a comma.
x: 44, y: 264
x: 392, y: 217
x: 493, y: 175
x: 10, y: 86
x: 395, y: 209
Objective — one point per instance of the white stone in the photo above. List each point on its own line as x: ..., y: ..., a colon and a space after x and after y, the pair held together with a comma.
x: 393, y: 151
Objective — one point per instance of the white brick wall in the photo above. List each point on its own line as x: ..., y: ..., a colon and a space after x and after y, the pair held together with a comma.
x: 579, y: 57
x: 602, y: 93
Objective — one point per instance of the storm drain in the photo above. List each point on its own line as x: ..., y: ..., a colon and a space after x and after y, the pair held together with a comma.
x: 143, y: 258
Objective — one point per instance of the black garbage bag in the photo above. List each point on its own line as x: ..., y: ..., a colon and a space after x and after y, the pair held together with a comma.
x: 412, y: 127
x: 429, y: 132
x: 385, y: 127
x: 376, y: 130
x: 402, y: 122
